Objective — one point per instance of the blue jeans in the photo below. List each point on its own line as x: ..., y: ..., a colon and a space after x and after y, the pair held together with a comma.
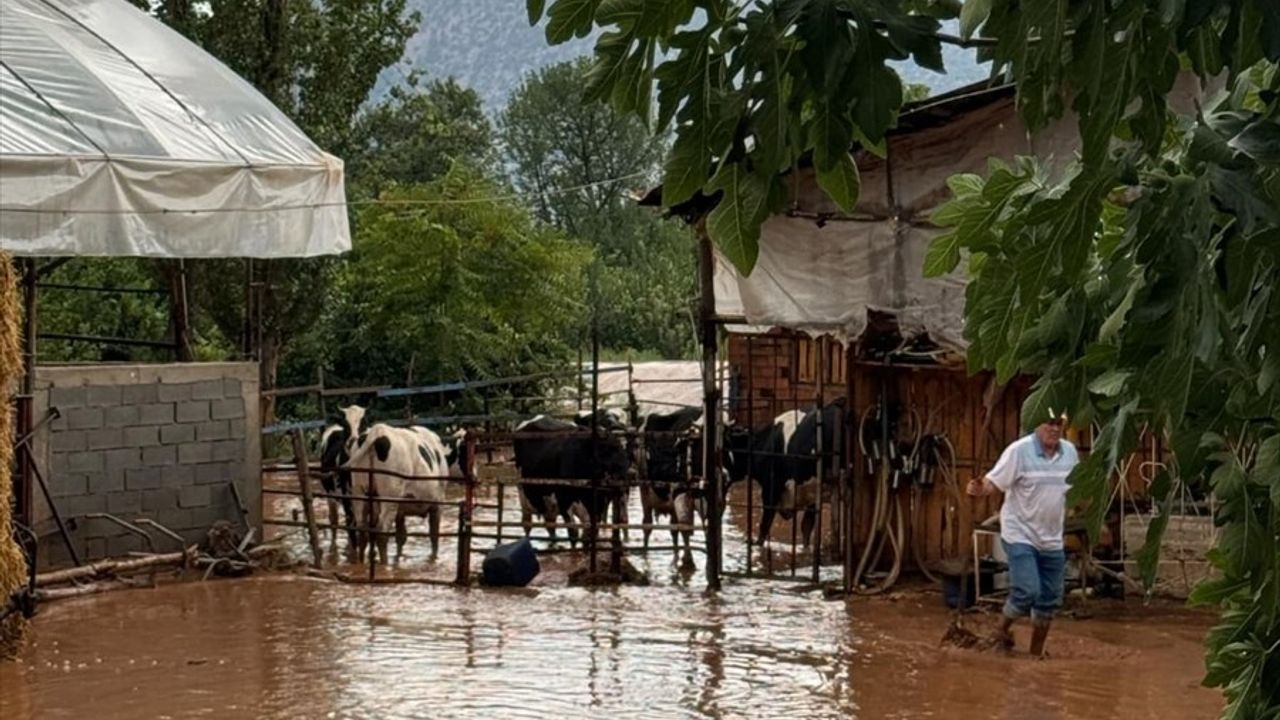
x: 1035, y: 581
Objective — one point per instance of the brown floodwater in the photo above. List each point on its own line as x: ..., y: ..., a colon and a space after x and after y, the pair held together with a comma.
x: 285, y: 646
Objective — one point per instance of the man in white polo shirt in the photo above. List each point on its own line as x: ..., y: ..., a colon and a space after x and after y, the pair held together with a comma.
x: 1032, y: 473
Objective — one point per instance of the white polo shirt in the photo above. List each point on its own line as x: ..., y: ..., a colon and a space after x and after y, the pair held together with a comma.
x: 1035, y: 491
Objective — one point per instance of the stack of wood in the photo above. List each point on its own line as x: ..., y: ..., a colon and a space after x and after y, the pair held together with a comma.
x: 140, y: 570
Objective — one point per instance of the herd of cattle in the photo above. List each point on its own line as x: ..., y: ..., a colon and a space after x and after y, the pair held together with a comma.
x: 364, y: 464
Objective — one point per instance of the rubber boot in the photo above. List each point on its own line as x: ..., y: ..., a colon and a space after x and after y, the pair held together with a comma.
x: 1039, y: 632
x: 1004, y: 635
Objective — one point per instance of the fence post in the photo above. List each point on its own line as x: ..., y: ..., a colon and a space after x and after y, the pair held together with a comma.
x: 815, y: 542
x: 465, y: 509
x: 304, y: 483
x: 711, y: 408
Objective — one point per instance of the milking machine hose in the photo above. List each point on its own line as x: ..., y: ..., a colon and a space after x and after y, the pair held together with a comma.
x: 881, y: 526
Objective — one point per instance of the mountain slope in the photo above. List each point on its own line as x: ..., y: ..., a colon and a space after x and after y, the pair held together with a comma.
x: 488, y: 45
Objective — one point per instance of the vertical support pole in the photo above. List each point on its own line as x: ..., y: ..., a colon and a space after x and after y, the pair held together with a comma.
x: 711, y: 409
x: 751, y: 429
x: 465, y: 510
x: 592, y: 529
x: 578, y: 374
x: 408, y: 382
x: 815, y: 543
x: 304, y: 483
x: 370, y: 528
x: 852, y: 464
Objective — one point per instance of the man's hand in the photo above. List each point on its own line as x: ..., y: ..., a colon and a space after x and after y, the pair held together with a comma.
x: 978, y: 487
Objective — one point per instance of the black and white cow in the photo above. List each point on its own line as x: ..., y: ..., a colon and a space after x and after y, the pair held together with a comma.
x: 411, y: 452
x: 800, y: 494
x: 336, y: 480
x: 569, y: 453
x: 671, y: 468
x: 781, y: 456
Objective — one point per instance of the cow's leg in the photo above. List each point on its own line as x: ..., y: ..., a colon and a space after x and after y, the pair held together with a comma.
x: 684, y: 516
x: 348, y: 510
x: 402, y: 534
x: 333, y: 520
x: 807, y: 522
x: 357, y: 537
x: 766, y: 522
x: 646, y: 516
x: 433, y: 526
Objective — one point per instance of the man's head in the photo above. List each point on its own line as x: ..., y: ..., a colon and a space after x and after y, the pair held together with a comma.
x: 1050, y: 431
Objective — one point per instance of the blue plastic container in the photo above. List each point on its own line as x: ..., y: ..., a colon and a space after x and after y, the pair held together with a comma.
x: 511, y: 565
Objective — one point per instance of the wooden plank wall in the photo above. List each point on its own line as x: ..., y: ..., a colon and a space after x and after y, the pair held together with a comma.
x: 774, y: 372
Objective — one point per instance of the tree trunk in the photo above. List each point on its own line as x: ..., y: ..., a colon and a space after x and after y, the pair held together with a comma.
x: 175, y: 274
x: 268, y: 366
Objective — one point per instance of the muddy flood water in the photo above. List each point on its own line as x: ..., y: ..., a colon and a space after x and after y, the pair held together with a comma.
x: 280, y: 645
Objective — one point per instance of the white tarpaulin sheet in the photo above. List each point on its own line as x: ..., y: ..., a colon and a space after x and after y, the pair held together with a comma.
x: 120, y: 137
x: 820, y: 273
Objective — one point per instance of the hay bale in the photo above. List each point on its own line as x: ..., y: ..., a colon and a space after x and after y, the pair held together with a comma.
x: 13, y: 566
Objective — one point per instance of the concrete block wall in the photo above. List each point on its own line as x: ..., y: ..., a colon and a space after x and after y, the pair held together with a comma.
x: 157, y: 441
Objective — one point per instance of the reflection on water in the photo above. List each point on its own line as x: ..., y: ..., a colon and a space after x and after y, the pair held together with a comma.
x: 290, y: 647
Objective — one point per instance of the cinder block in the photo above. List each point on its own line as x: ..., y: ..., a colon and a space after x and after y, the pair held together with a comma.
x: 175, y: 476
x: 192, y: 411
x: 95, y: 548
x: 82, y: 505
x: 145, y: 478
x: 213, y: 430
x: 173, y: 392
x: 69, y: 440
x: 228, y: 409
x: 207, y: 390
x: 68, y: 398
x: 159, y: 455
x: 155, y: 414
x: 69, y: 484
x: 228, y: 450
x: 212, y: 473
x: 79, y: 462
x: 106, y: 438
x: 159, y: 500
x: 176, y: 434
x: 124, y: 544
x: 238, y: 430
x: 83, y: 418
x: 125, y: 502
x: 142, y: 394
x: 122, y: 416
x: 104, y: 395
x: 143, y: 436
x: 194, y: 497
x: 123, y: 459
x: 108, y: 482
x: 193, y: 453
x: 231, y: 388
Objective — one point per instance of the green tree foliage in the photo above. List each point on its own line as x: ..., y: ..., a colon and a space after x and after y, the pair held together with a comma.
x: 554, y: 140
x: 316, y: 60
x: 469, y: 287
x: 415, y: 133
x: 1138, y: 284
x: 132, y: 316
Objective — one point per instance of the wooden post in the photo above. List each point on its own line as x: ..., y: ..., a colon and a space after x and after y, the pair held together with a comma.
x: 465, y: 509
x: 815, y: 543
x: 304, y: 483
x: 25, y: 419
x: 711, y: 408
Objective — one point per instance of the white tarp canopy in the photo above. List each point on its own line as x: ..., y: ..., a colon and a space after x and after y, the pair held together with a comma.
x: 820, y: 271
x: 118, y: 136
